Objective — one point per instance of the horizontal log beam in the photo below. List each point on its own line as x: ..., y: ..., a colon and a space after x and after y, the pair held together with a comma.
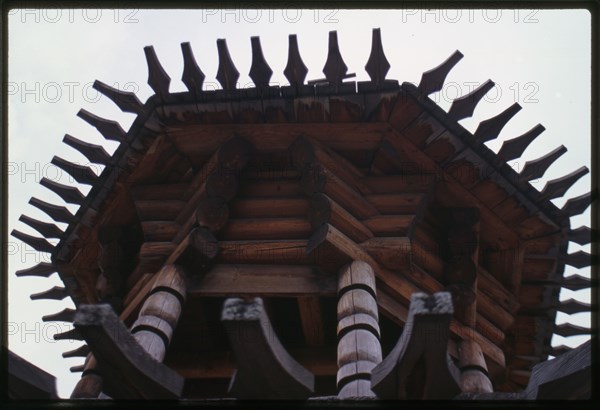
x: 262, y: 280
x: 266, y: 228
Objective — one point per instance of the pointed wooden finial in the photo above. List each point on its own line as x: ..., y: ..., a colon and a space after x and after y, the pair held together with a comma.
x: 295, y: 71
x: 111, y: 130
x: 260, y: 72
x: 558, y: 187
x: 42, y: 269
x: 490, y: 128
x: 125, y: 100
x: 377, y: 66
x: 569, y: 329
x: 227, y: 74
x: 572, y: 306
x: 65, y: 315
x: 433, y: 80
x: 58, y: 213
x: 77, y: 369
x: 581, y: 235
x: 72, y: 334
x: 579, y: 259
x: 515, y: 147
x: 558, y: 350
x: 577, y: 205
x: 81, y: 351
x: 81, y: 173
x: 69, y: 194
x: 39, y: 244
x: 55, y: 293
x: 463, y: 107
x: 335, y: 69
x: 576, y: 282
x: 47, y: 229
x: 94, y: 153
x: 192, y: 76
x: 536, y: 168
x: 158, y: 79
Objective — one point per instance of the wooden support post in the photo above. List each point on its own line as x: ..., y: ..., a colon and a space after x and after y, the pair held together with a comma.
x: 474, y: 377
x: 359, y: 349
x: 265, y: 370
x: 152, y: 332
x: 158, y: 317
x: 419, y: 366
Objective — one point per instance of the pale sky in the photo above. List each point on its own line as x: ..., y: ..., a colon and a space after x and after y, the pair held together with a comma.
x: 538, y: 58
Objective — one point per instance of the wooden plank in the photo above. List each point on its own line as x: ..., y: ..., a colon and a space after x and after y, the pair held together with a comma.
x: 256, y: 346
x: 311, y: 318
x: 393, y: 204
x: 394, y: 253
x: 433, y: 80
x: 194, y: 140
x: 266, y: 228
x: 274, y: 207
x: 262, y: 280
x: 389, y: 225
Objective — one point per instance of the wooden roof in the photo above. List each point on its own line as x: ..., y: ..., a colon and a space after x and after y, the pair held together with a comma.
x: 389, y: 161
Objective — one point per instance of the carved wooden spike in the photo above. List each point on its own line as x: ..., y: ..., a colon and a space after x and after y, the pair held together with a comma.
x: 69, y: 194
x: 377, y: 66
x: 581, y: 235
x: 536, y: 168
x: 576, y: 282
x: 572, y: 306
x: 295, y: 71
x: 81, y: 351
x: 558, y: 187
x: 577, y: 205
x: 43, y: 269
x: 260, y: 72
x: 424, y: 337
x: 58, y: 213
x: 55, y: 293
x: 579, y: 259
x: 81, y: 173
x: 158, y: 79
x: 77, y: 369
x: 192, y: 76
x: 227, y: 74
x: 569, y: 329
x: 335, y: 69
x: 256, y: 347
x: 47, y: 229
x: 490, y: 129
x: 125, y: 100
x: 65, y: 315
x: 95, y: 153
x: 515, y: 147
x: 111, y: 342
x: 72, y: 334
x: 39, y: 244
x: 110, y: 130
x: 463, y: 107
x: 558, y: 350
x: 433, y: 80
